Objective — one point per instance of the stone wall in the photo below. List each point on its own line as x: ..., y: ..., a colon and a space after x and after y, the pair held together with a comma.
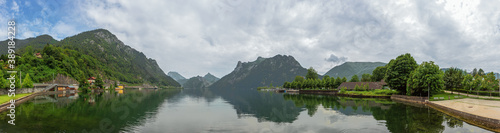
x: 22, y: 90
x: 411, y: 99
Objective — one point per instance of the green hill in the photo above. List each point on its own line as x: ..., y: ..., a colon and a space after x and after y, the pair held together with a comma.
x: 88, y: 54
x: 350, y: 69
x: 37, y: 42
x: 262, y: 72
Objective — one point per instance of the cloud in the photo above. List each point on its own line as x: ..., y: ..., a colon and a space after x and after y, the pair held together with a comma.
x: 211, y: 36
x: 196, y: 37
x: 15, y: 7
x: 336, y: 59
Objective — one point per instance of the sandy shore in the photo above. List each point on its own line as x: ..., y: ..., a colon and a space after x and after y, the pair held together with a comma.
x: 485, y: 108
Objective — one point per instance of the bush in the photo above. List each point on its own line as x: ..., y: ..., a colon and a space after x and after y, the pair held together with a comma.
x: 343, y: 90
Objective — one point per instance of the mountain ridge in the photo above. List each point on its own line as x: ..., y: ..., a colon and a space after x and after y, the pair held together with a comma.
x: 121, y: 62
x: 262, y: 72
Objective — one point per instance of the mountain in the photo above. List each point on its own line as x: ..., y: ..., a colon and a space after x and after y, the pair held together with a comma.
x: 89, y: 54
x: 262, y: 72
x: 196, y: 82
x: 210, y: 78
x: 177, y: 77
x: 350, y: 69
x: 37, y: 42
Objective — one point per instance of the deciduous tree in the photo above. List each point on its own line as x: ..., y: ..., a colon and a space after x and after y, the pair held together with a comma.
x: 467, y: 82
x: 366, y: 77
x: 379, y: 73
x: 453, y: 78
x: 398, y: 72
x: 354, y: 79
x: 311, y: 73
x: 426, y: 76
x: 490, y: 82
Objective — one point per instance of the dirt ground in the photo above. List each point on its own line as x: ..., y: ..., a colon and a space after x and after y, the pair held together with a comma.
x: 485, y: 108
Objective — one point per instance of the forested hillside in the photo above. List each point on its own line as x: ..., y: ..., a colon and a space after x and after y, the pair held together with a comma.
x: 90, y: 54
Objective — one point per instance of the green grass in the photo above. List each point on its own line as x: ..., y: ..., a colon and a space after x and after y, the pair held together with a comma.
x: 446, y: 96
x: 6, y: 98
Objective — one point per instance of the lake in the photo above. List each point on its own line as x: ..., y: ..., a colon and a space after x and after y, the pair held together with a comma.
x: 224, y: 110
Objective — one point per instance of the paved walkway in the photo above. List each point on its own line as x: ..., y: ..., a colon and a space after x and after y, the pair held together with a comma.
x: 471, y: 95
x: 485, y: 108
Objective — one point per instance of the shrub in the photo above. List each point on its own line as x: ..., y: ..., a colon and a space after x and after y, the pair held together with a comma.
x: 343, y: 90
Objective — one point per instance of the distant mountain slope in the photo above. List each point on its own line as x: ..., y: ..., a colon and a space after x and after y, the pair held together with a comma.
x: 210, y: 78
x: 177, y: 77
x: 196, y: 82
x: 37, y: 42
x: 199, y: 82
x: 262, y: 72
x: 350, y: 69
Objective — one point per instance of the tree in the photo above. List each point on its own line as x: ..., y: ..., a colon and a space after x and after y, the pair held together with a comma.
x: 426, y: 76
x: 298, y: 79
x: 379, y: 73
x: 467, y: 82
x: 476, y: 84
x: 311, y: 73
x: 338, y: 81
x: 366, y: 77
x: 398, y: 72
x: 480, y: 72
x: 3, y: 81
x: 474, y: 72
x: 344, y: 79
x: 332, y: 82
x: 27, y: 81
x: 326, y: 81
x: 453, y: 78
x: 354, y: 79
x: 98, y: 82
x: 490, y: 82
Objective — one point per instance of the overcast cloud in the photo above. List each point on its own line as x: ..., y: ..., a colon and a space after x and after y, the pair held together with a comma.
x: 196, y: 37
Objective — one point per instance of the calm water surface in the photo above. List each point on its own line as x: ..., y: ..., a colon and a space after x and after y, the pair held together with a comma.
x: 237, y: 110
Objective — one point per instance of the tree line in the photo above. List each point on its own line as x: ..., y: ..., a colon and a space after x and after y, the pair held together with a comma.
x: 406, y: 76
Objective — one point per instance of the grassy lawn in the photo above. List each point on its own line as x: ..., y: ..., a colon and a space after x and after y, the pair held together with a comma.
x: 445, y: 96
x: 6, y: 98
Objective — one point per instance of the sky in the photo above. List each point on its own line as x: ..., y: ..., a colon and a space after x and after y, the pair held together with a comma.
x: 197, y: 37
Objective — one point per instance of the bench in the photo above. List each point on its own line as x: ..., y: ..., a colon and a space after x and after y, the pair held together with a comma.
x: 441, y: 97
x: 456, y: 96
x: 435, y: 98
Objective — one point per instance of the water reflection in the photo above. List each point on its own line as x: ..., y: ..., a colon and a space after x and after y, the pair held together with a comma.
x: 96, y: 112
x: 224, y: 110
